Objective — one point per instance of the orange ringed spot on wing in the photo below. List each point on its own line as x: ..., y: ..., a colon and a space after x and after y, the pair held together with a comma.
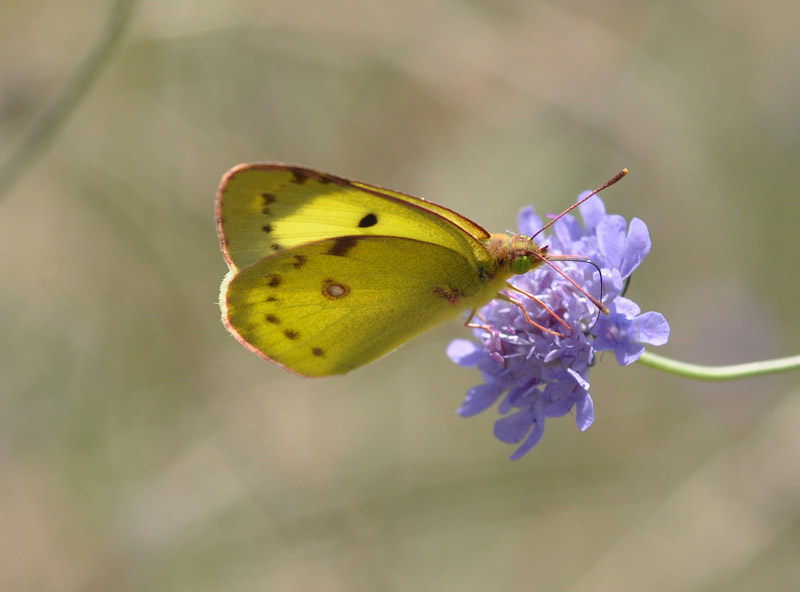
x: 452, y: 295
x: 334, y: 290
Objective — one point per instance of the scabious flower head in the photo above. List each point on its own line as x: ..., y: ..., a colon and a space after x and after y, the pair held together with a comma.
x: 535, y: 374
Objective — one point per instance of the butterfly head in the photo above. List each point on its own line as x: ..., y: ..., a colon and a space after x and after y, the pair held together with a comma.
x: 516, y: 254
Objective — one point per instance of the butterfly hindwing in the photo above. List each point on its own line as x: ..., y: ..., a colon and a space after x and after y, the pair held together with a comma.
x: 330, y: 306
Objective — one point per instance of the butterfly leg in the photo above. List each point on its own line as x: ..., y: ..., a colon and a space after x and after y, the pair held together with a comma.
x: 486, y: 327
x: 490, y: 330
x: 521, y: 306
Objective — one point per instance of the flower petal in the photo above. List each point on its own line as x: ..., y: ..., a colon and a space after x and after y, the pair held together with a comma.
x: 611, y: 240
x: 531, y: 441
x: 592, y: 212
x: 627, y: 352
x: 652, y: 328
x: 625, y: 307
x: 637, y: 246
x: 463, y: 352
x: 584, y: 412
x: 512, y: 428
x: 479, y: 398
x: 528, y: 222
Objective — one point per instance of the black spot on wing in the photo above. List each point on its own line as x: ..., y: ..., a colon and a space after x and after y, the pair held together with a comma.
x: 342, y: 246
x: 318, y: 352
x: 274, y: 280
x: 367, y: 221
x: 291, y: 334
x: 299, y: 261
x: 267, y: 228
x: 299, y: 176
x: 272, y: 319
x: 266, y: 200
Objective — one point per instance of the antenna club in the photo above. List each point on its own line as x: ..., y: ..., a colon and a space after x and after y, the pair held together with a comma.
x: 591, y: 194
x: 612, y: 180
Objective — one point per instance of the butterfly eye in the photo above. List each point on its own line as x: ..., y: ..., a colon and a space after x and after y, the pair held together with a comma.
x: 521, y: 264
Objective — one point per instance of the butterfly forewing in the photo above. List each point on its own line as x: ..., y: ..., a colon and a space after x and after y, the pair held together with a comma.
x: 265, y: 208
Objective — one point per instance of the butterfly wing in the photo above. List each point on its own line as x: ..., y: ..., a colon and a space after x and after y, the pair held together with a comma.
x: 330, y: 306
x: 265, y: 208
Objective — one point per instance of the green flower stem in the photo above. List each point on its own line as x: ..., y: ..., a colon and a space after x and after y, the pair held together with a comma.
x: 720, y: 373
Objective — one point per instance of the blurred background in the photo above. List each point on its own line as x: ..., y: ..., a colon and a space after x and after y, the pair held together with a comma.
x: 142, y: 448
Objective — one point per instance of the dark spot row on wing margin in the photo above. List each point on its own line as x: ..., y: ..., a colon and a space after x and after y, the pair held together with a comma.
x: 300, y: 176
x: 267, y: 199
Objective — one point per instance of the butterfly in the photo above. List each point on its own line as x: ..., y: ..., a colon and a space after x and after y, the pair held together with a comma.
x: 327, y: 274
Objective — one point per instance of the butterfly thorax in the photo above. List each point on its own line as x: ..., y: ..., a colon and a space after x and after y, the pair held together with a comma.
x: 515, y: 254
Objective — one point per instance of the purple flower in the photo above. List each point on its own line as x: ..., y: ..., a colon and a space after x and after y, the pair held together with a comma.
x: 534, y: 374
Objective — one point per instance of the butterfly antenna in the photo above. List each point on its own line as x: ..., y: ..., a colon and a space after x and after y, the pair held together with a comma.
x: 548, y: 259
x: 605, y: 185
x: 576, y: 259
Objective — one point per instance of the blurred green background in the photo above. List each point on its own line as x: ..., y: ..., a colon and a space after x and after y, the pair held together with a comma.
x: 141, y: 448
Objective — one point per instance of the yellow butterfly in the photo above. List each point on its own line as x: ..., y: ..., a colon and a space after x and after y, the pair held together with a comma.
x: 327, y: 274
